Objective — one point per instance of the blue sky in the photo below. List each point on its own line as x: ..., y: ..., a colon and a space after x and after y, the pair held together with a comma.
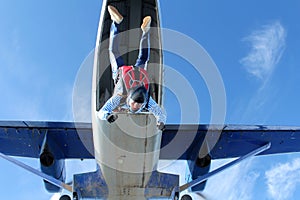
x: 254, y: 44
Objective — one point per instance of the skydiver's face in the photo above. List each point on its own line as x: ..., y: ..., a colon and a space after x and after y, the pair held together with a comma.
x: 134, y: 106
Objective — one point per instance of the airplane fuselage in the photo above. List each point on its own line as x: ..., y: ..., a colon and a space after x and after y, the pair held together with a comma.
x: 127, y: 150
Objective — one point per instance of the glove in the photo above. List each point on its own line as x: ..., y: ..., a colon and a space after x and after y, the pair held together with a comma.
x: 111, y: 118
x: 161, y: 126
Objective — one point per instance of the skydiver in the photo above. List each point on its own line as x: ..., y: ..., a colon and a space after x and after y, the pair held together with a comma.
x: 133, y: 93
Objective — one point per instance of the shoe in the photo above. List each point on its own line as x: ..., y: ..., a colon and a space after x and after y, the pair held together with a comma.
x: 146, y: 24
x: 114, y: 14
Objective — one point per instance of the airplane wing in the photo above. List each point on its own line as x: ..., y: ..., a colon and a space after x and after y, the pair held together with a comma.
x: 24, y: 138
x: 74, y: 140
x: 199, y: 144
x: 230, y: 141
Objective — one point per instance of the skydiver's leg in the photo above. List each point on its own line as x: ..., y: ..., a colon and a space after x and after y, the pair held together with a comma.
x: 116, y: 60
x: 143, y: 56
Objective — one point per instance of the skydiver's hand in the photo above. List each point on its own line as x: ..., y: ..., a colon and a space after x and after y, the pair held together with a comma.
x: 161, y: 126
x: 111, y: 118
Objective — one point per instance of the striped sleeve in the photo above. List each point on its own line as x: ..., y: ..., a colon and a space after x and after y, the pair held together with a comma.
x: 154, y: 108
x: 109, y: 106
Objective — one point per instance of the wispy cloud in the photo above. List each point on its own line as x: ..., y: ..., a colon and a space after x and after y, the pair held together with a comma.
x: 267, y: 45
x: 283, y: 179
x: 234, y: 183
x: 237, y: 182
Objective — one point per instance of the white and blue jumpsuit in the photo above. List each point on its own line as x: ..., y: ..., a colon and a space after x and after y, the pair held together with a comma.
x: 117, y: 62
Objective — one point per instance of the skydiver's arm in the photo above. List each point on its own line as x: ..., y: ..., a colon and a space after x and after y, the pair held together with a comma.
x: 154, y: 108
x: 109, y: 106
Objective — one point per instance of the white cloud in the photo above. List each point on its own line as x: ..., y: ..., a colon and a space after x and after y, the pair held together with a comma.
x: 267, y: 46
x: 234, y: 183
x: 283, y: 179
x: 237, y: 182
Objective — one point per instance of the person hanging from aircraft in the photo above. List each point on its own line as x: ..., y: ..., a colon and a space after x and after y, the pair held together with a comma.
x: 131, y: 82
